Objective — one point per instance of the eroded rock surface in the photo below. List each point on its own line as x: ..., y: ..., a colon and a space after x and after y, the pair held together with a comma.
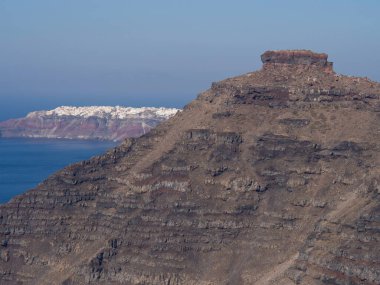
x: 271, y: 177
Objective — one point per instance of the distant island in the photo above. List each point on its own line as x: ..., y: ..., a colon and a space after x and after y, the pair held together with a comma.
x: 94, y: 122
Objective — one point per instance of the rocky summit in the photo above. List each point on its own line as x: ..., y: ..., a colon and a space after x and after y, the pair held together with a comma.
x: 271, y: 177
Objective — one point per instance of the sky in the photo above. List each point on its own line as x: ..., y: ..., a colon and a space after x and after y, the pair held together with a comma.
x: 164, y: 53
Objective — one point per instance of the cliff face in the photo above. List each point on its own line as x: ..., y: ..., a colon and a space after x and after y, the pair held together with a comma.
x: 96, y: 122
x: 271, y: 177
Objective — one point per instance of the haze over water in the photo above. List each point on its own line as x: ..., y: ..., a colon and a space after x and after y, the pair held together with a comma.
x: 163, y: 53
x: 152, y: 53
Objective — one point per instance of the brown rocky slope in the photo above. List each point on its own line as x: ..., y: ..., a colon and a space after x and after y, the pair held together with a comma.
x: 271, y: 177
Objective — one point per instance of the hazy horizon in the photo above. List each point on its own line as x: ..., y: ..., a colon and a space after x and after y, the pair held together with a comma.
x: 164, y: 53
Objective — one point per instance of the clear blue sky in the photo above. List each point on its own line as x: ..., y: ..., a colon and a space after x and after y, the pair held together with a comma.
x: 162, y: 53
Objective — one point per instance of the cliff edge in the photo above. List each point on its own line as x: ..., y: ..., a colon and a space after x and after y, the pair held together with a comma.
x: 271, y: 177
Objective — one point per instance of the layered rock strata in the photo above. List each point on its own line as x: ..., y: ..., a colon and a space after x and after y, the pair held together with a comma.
x: 271, y: 177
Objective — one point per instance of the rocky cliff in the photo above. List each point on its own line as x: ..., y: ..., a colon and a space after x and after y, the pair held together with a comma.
x: 94, y: 122
x: 271, y: 177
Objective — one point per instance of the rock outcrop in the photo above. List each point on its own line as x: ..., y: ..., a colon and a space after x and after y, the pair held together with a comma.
x: 94, y: 122
x: 271, y: 177
x: 305, y: 57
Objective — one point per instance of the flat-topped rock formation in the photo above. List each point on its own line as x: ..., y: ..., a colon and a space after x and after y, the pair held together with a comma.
x: 306, y: 57
x: 297, y: 57
x: 271, y: 177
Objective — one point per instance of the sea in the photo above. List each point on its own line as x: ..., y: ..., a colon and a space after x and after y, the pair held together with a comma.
x: 24, y: 163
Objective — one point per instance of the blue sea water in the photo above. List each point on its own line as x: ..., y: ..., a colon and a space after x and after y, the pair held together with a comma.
x: 26, y: 162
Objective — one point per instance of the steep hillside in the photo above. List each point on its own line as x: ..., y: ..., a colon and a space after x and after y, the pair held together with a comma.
x: 271, y: 177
